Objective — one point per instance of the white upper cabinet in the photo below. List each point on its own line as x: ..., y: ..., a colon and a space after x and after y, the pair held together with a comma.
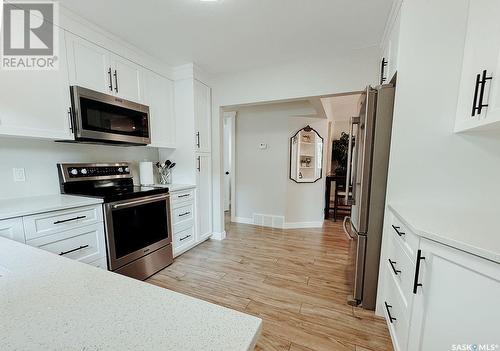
x: 36, y: 103
x: 479, y: 96
x: 96, y: 68
x: 202, y: 116
x: 159, y: 96
x: 127, y: 79
x: 89, y: 65
x: 390, y: 46
x: 456, y: 303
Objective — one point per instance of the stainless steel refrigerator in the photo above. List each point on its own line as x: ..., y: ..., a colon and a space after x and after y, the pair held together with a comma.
x: 368, y: 160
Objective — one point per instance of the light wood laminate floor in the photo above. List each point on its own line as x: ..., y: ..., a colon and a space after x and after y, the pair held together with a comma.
x: 296, y: 280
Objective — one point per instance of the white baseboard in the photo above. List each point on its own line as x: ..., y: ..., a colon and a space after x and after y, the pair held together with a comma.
x: 298, y: 225
x: 218, y: 235
x: 286, y: 225
x: 243, y: 220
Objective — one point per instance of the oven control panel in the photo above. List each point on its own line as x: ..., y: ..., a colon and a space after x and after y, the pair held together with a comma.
x: 95, y: 171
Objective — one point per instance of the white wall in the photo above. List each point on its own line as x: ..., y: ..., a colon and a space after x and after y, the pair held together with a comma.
x: 429, y: 163
x: 39, y: 158
x: 262, y: 175
x: 320, y: 76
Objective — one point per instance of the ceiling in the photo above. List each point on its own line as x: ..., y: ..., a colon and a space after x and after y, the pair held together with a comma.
x: 235, y: 35
x: 341, y: 108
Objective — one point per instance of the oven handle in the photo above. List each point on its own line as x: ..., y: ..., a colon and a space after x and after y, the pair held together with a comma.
x: 142, y: 201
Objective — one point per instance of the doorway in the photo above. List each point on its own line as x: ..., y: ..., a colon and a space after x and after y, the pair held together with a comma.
x: 228, y: 161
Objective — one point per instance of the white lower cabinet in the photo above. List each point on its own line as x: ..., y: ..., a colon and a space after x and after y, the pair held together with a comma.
x: 75, y: 233
x: 185, y: 220
x: 204, y: 195
x: 457, y: 303
x: 12, y: 228
x: 435, y: 297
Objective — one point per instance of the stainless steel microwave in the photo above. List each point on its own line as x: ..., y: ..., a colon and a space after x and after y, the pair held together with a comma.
x: 103, y: 118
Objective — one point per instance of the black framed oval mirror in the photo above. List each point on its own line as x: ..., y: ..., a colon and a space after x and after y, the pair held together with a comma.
x: 306, y: 156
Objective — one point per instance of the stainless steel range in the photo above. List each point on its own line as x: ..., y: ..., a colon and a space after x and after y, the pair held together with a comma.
x: 137, y: 219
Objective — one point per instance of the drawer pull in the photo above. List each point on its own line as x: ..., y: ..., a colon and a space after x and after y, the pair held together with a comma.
x: 416, y: 284
x: 70, y: 251
x: 184, y: 214
x: 391, y: 318
x: 392, y: 263
x: 397, y: 230
x: 70, y: 219
x: 187, y: 236
x: 185, y: 195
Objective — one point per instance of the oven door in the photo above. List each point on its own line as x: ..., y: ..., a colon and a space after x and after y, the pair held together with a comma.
x: 107, y: 118
x: 137, y: 227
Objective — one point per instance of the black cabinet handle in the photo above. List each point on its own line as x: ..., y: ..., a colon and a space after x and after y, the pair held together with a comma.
x: 110, y: 80
x: 185, y: 195
x: 391, y: 318
x: 416, y: 284
x: 70, y: 117
x: 397, y: 230
x: 116, y: 80
x: 477, y: 105
x: 69, y: 220
x: 198, y: 140
x: 392, y: 263
x: 382, y: 70
x: 70, y: 251
x: 187, y: 236
x: 184, y: 214
x: 199, y: 164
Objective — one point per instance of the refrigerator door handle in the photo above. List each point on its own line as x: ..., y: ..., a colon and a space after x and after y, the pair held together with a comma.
x: 351, y: 163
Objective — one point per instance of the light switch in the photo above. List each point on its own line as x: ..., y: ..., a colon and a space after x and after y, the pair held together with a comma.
x: 262, y: 146
x: 19, y: 174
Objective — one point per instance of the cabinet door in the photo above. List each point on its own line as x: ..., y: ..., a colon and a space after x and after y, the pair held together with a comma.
x: 202, y: 116
x: 204, y: 195
x: 457, y: 302
x: 12, y: 229
x: 482, y: 52
x: 127, y: 79
x: 36, y: 103
x: 159, y: 96
x: 89, y: 65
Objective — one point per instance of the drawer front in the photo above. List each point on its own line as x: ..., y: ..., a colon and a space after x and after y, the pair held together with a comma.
x: 184, y: 237
x: 179, y: 227
x: 182, y: 196
x: 86, y: 244
x: 183, y: 213
x: 402, y: 269
x: 394, y: 312
x: 12, y: 229
x: 408, y: 240
x: 100, y: 263
x: 49, y: 223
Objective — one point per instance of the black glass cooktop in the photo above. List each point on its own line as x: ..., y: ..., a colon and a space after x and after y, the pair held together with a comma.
x: 111, y: 191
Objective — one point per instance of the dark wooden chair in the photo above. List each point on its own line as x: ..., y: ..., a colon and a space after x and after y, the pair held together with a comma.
x: 338, y: 205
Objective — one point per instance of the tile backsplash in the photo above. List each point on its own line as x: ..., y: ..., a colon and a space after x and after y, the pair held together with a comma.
x: 39, y: 158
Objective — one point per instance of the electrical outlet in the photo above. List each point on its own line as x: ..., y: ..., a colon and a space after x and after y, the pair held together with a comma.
x: 19, y: 174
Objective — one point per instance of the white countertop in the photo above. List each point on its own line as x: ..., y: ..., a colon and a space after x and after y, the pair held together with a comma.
x: 49, y: 302
x: 176, y: 187
x: 477, y: 232
x: 23, y: 206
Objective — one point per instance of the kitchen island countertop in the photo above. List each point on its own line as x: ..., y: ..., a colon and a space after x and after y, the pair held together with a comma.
x: 48, y: 302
